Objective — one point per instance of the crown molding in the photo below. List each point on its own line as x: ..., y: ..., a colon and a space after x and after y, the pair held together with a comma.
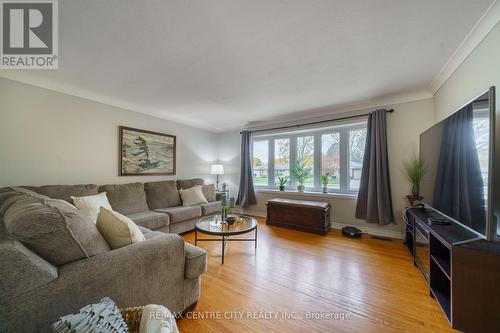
x: 480, y: 30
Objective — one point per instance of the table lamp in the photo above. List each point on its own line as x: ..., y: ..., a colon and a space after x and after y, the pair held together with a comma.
x: 217, y: 169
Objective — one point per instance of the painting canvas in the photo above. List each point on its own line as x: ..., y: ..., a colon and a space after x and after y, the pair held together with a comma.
x: 146, y: 153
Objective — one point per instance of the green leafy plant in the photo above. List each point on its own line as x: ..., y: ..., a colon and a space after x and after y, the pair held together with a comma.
x: 415, y: 172
x: 325, y: 179
x: 282, y: 180
x: 301, y: 172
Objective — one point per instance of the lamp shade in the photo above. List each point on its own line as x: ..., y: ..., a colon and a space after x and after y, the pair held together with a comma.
x: 217, y: 169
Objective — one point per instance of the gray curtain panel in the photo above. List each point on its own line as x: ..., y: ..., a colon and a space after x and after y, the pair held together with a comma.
x: 374, y: 198
x: 246, y: 193
x: 459, y: 190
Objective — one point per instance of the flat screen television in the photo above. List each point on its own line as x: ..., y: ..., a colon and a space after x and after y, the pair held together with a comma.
x: 457, y: 159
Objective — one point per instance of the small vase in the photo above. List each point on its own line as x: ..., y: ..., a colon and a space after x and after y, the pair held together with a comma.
x: 282, y: 188
x: 325, y: 189
x: 300, y: 188
x: 413, y: 198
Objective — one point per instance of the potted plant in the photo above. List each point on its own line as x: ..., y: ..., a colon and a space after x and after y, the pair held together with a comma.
x: 300, y: 172
x: 282, y: 180
x: 325, y: 179
x: 415, y: 172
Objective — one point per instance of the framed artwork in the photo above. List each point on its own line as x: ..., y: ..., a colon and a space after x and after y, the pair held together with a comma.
x: 146, y: 153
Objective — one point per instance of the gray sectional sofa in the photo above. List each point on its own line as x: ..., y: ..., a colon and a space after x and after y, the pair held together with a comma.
x: 53, y: 261
x: 154, y: 205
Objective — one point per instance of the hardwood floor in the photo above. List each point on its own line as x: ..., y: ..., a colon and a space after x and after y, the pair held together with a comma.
x: 294, y: 273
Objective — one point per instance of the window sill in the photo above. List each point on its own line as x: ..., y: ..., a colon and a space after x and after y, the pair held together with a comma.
x: 307, y: 193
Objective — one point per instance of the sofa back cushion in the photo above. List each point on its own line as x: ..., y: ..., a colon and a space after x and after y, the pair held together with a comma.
x: 53, y: 229
x: 188, y: 183
x: 162, y: 194
x: 126, y: 198
x: 65, y: 192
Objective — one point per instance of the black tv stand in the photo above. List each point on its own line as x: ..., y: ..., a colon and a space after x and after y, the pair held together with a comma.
x: 462, y: 271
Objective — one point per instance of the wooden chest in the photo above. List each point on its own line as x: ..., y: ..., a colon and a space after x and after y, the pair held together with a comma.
x: 310, y: 216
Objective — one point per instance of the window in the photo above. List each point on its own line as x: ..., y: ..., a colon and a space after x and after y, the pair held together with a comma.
x: 281, y: 158
x: 330, y: 159
x: 305, y: 157
x: 336, y: 152
x: 260, y: 162
x: 357, y: 138
x: 481, y: 126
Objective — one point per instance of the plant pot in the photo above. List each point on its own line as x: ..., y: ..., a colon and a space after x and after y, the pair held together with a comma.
x: 413, y: 198
x: 300, y: 188
x: 325, y: 189
x: 282, y: 188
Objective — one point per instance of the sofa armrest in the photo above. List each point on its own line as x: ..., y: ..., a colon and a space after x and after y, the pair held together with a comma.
x: 146, y: 257
x: 21, y: 269
x: 148, y: 272
x: 196, y: 261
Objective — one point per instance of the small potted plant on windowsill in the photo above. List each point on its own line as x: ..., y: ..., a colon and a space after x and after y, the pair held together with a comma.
x: 325, y: 179
x: 300, y: 172
x: 282, y: 180
x: 415, y: 172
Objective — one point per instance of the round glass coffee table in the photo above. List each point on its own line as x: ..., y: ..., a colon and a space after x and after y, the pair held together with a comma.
x: 209, y: 226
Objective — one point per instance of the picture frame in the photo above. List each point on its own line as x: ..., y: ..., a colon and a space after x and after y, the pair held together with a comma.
x: 146, y: 153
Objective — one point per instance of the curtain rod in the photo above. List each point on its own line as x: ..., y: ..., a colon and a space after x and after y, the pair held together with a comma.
x: 315, y: 122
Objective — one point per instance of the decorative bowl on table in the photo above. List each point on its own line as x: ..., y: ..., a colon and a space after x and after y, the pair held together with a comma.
x: 230, y: 220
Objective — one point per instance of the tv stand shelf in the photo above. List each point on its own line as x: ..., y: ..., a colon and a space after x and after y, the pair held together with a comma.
x: 451, y: 258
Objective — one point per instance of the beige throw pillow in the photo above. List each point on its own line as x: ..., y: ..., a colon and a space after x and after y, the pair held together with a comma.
x: 192, y: 196
x: 117, y: 229
x: 90, y: 205
x: 209, y: 192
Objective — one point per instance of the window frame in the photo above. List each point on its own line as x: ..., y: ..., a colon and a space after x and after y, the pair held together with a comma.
x: 344, y: 153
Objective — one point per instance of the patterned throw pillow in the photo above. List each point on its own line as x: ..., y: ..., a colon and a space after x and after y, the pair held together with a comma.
x: 209, y: 192
x: 103, y: 317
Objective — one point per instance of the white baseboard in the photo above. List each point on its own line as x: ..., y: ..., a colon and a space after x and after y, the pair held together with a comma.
x: 375, y: 231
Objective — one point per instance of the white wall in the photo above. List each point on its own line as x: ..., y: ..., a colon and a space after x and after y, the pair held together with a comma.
x: 475, y: 75
x: 404, y: 128
x: 228, y: 147
x: 52, y: 138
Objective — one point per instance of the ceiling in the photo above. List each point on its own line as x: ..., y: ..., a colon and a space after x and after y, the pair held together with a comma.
x: 221, y: 64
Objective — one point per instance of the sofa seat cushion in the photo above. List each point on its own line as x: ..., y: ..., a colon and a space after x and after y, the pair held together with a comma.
x: 196, y: 261
x: 53, y: 229
x: 150, y: 219
x: 179, y: 214
x: 65, y: 192
x: 162, y: 194
x: 210, y: 208
x: 188, y: 183
x: 126, y: 198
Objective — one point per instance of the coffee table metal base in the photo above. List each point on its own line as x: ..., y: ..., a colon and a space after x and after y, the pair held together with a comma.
x: 224, y: 239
